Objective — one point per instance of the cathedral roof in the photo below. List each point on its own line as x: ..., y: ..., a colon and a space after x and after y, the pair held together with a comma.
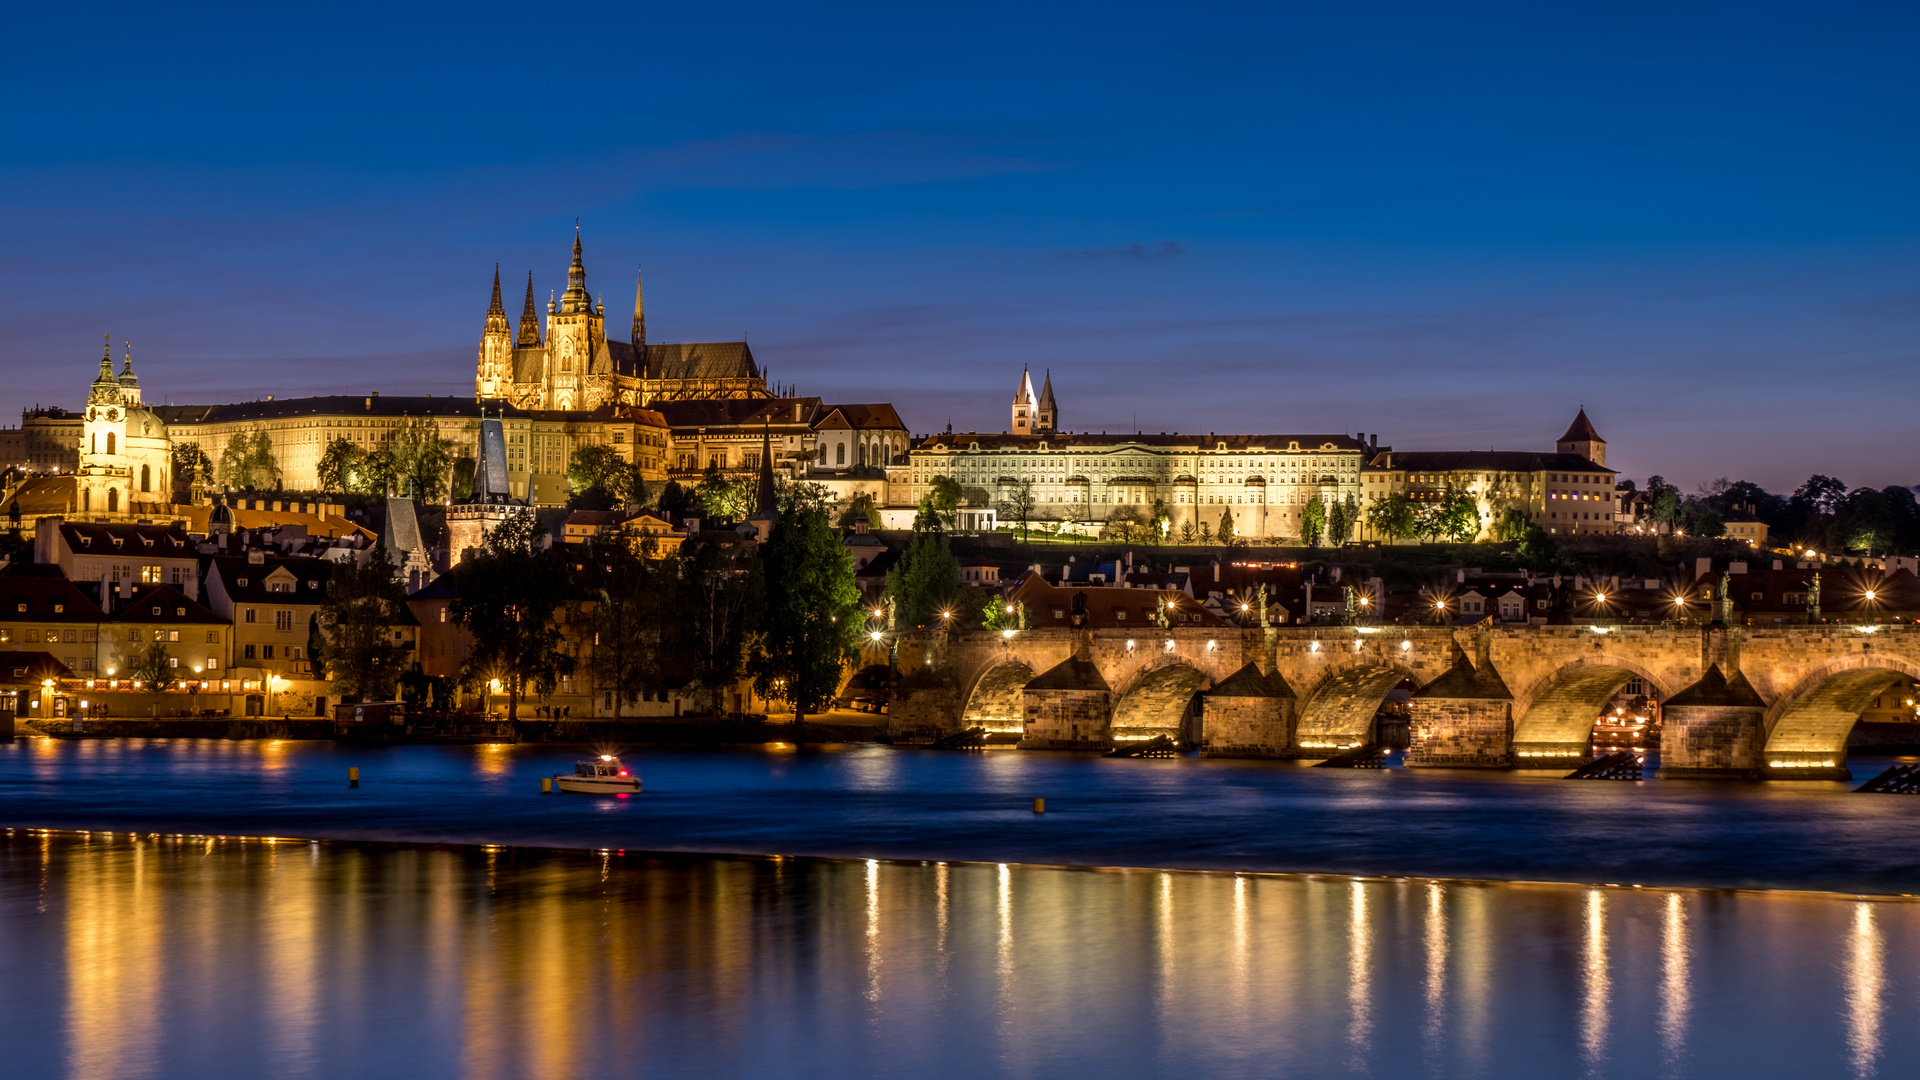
x: 699, y: 360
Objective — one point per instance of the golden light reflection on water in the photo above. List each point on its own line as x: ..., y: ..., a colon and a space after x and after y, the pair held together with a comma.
x: 1435, y: 1004
x: 1360, y: 933
x: 550, y: 964
x: 1676, y: 989
x: 1595, y: 1005
x: 114, y: 922
x: 1866, y: 984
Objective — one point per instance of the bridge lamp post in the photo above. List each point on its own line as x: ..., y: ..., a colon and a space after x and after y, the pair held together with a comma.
x: 1439, y: 612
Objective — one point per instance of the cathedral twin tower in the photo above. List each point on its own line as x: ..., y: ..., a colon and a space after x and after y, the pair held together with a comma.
x: 574, y: 367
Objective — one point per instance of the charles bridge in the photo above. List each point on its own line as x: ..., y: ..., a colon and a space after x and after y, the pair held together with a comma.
x: 1738, y: 702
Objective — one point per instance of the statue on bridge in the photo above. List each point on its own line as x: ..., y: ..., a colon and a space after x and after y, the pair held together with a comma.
x: 1260, y: 602
x: 1813, y: 598
x: 1723, y: 604
x: 1160, y: 615
x: 1352, y: 614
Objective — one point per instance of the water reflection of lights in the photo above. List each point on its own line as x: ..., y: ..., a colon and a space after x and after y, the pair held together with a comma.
x: 1676, y: 993
x: 1866, y: 983
x: 1436, y: 933
x: 873, y: 932
x: 1598, y: 983
x: 1359, y: 978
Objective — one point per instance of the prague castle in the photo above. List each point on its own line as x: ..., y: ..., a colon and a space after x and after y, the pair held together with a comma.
x: 557, y: 384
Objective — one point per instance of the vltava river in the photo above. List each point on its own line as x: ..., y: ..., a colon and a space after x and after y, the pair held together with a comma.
x: 129, y: 956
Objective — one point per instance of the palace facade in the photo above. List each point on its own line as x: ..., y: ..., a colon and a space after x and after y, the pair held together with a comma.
x: 1082, y: 479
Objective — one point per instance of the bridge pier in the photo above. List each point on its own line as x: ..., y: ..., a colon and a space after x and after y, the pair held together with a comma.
x: 1068, y: 707
x: 1713, y: 730
x: 1462, y: 720
x: 1247, y: 715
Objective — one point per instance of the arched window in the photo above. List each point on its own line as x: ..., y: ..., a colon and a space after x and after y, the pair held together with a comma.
x: 109, y: 442
x: 86, y: 499
x: 863, y: 454
x: 840, y: 454
x: 113, y: 497
x: 146, y: 478
x: 94, y: 447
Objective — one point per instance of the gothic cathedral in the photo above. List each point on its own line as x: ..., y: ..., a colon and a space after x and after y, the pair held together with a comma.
x: 576, y: 368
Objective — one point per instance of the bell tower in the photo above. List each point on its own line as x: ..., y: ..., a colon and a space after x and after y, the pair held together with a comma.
x: 576, y: 336
x: 495, y: 368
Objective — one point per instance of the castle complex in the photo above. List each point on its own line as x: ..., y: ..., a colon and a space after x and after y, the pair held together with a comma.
x: 553, y: 385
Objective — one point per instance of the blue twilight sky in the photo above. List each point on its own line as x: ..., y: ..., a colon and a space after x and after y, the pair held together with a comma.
x: 1447, y: 223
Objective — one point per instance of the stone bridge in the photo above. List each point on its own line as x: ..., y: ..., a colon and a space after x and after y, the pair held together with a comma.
x: 1775, y: 702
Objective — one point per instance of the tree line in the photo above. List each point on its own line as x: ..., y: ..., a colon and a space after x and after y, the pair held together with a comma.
x: 620, y: 615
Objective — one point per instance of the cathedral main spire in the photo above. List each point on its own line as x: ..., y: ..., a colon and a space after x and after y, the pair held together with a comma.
x: 576, y: 299
x: 497, y: 308
x: 529, y: 319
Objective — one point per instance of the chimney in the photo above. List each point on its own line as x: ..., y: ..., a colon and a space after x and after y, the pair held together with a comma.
x: 1702, y: 567
x: 1216, y: 571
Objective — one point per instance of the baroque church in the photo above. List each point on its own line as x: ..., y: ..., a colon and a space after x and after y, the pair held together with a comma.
x: 569, y: 364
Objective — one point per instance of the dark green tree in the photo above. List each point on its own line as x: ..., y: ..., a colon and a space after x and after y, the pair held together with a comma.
x: 1342, y: 516
x: 1394, y: 517
x: 635, y: 638
x: 248, y: 463
x: 793, y: 496
x: 509, y: 596
x: 675, y: 499
x: 944, y: 497
x: 364, y: 603
x: 463, y: 477
x: 924, y: 581
x: 601, y: 479
x: 719, y: 607
x: 1313, y: 521
x: 421, y: 459
x: 723, y: 497
x: 1511, y: 524
x: 1225, y: 533
x: 811, y: 626
x: 337, y: 465
x: 861, y: 505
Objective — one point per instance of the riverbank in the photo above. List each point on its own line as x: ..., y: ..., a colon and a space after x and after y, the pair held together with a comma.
x: 683, y: 731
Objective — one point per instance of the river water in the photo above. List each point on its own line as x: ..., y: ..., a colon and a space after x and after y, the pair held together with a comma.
x: 436, y: 929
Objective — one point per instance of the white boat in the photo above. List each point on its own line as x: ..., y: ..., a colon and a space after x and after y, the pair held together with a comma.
x: 605, y: 776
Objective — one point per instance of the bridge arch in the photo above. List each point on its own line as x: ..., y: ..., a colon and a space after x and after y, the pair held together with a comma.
x: 994, y: 701
x: 1555, y: 726
x: 1160, y: 700
x: 1807, y: 727
x: 1340, y: 708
